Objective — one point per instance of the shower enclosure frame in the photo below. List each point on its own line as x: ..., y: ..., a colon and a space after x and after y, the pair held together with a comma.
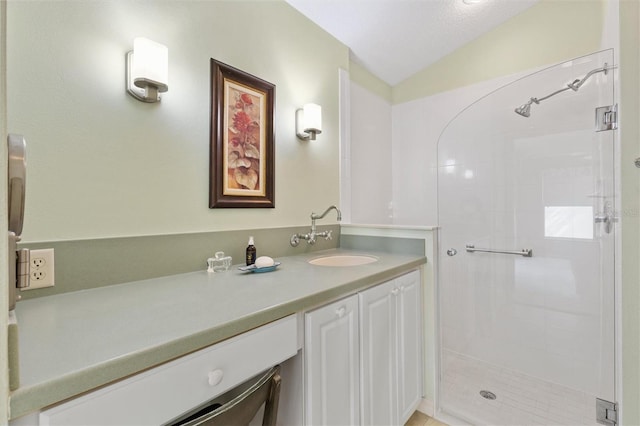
x: 617, y: 248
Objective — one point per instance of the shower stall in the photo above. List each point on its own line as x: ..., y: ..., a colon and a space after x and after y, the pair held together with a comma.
x: 526, y: 211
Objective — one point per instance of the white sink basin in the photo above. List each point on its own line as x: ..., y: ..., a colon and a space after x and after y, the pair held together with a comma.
x: 343, y: 260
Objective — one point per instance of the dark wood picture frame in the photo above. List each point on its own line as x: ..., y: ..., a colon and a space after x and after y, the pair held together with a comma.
x: 242, y: 149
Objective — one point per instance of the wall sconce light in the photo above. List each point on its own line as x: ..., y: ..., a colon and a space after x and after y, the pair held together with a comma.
x: 309, y: 122
x: 147, y: 70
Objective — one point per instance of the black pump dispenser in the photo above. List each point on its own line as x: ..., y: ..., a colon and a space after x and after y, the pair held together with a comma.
x: 251, y: 252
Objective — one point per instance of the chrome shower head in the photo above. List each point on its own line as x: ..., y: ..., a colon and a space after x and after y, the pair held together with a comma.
x: 524, y: 110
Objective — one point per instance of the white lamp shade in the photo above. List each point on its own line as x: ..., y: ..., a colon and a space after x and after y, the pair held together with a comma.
x: 150, y: 64
x: 312, y: 118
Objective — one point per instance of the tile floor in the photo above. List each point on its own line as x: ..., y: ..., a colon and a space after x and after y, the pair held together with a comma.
x: 421, y: 419
x: 521, y: 399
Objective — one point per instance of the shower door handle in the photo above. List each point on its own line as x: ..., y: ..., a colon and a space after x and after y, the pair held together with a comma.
x: 607, y: 220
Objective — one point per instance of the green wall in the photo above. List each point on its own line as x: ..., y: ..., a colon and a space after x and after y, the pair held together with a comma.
x: 102, y: 164
x: 130, y: 259
x: 552, y: 31
x: 630, y: 191
x: 364, y: 78
x: 4, y: 304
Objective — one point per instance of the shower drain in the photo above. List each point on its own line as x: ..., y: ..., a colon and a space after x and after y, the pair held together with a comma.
x: 487, y: 395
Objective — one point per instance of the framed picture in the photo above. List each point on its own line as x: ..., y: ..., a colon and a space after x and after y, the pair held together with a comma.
x: 242, y: 139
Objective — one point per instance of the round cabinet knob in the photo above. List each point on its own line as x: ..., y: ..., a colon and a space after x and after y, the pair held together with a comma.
x: 452, y: 252
x: 395, y: 291
x: 341, y: 311
x: 215, y: 377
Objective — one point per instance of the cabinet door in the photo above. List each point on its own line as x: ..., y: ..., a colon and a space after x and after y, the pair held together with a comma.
x: 410, y: 364
x: 378, y: 354
x: 331, y: 364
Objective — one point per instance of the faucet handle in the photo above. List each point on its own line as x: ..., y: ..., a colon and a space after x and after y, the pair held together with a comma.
x: 328, y: 235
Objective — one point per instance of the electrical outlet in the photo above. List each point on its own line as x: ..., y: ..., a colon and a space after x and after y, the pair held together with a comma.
x: 38, y: 275
x: 41, y: 269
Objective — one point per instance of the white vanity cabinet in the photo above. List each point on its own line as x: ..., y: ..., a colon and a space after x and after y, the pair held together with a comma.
x: 163, y: 393
x: 374, y: 338
x: 332, y: 365
x: 390, y: 351
x: 410, y: 335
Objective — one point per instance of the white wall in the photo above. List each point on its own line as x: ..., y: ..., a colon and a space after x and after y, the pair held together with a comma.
x: 370, y: 157
x: 103, y: 164
x: 406, y: 136
x: 417, y: 126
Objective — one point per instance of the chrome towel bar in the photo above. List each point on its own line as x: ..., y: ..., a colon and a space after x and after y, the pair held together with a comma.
x: 524, y: 252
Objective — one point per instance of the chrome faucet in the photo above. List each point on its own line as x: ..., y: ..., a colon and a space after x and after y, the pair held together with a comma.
x: 311, y: 236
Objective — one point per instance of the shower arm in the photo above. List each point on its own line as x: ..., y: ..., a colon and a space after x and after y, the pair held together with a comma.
x: 544, y: 98
x: 575, y: 84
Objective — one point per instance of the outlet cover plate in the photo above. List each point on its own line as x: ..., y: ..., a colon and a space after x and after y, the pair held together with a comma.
x: 41, y: 269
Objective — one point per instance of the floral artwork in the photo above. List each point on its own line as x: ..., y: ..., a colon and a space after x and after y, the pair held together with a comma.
x: 242, y: 145
x: 243, y: 141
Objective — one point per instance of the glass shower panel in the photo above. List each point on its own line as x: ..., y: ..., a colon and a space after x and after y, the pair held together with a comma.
x: 535, y: 332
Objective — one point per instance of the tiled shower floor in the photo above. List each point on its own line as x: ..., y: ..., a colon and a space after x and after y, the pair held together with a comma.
x: 520, y: 399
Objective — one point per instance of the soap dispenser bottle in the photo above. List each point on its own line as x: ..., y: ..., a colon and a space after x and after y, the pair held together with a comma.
x: 251, y: 252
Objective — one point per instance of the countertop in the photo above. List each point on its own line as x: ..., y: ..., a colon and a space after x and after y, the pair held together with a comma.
x: 75, y: 342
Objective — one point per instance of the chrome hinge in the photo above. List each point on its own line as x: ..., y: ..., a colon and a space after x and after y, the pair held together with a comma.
x: 22, y: 268
x: 19, y: 264
x: 606, y: 412
x: 606, y: 118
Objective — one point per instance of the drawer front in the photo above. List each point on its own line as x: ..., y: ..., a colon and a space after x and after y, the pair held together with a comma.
x: 165, y: 392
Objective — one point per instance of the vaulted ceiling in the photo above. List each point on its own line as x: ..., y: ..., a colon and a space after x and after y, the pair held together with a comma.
x: 394, y: 39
